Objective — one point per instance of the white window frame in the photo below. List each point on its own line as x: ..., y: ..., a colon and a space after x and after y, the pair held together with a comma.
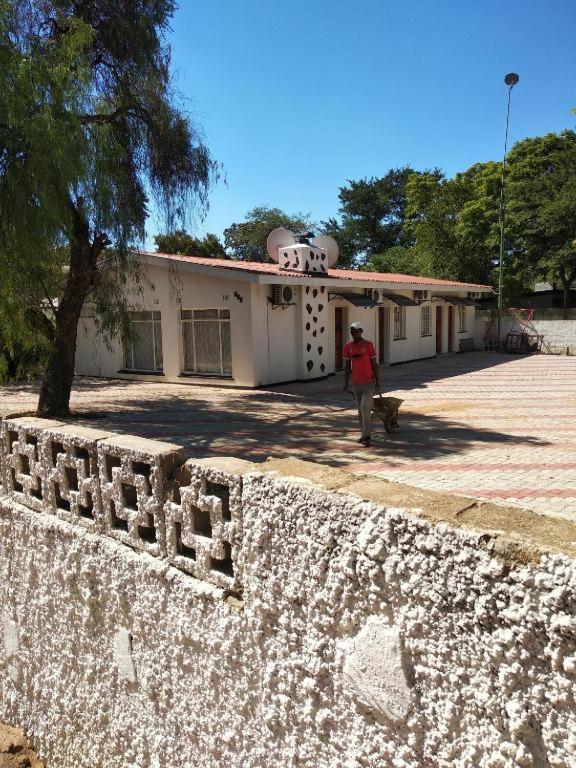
x: 462, y: 324
x: 399, y: 323
x: 187, y: 317
x: 152, y: 318
x: 426, y: 320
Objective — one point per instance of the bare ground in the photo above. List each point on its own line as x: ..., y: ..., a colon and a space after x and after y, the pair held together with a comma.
x: 15, y: 749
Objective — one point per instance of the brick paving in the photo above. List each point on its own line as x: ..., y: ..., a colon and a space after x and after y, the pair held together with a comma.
x: 491, y: 426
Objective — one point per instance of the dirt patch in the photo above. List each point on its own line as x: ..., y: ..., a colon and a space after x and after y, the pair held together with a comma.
x: 513, y: 534
x: 15, y: 749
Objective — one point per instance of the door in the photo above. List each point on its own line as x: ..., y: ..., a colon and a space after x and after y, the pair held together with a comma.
x: 338, y: 337
x: 450, y: 328
x: 438, y: 330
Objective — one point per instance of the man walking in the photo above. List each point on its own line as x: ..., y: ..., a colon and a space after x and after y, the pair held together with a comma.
x: 361, y: 365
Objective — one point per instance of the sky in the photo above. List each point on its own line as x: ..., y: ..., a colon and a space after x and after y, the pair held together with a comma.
x: 296, y: 98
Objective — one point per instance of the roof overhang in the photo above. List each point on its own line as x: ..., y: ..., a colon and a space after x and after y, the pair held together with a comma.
x: 357, y: 299
x: 398, y: 298
x: 456, y: 301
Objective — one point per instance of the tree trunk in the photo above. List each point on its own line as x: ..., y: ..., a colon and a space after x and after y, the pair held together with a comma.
x: 56, y: 386
x: 566, y: 288
x: 57, y: 383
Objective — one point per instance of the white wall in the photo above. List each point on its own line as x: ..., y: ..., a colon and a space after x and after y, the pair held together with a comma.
x: 269, y: 344
x: 365, y: 636
x: 161, y: 292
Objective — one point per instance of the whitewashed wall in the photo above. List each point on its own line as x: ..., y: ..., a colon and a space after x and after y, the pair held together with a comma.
x: 269, y: 344
x: 351, y: 634
x: 161, y: 292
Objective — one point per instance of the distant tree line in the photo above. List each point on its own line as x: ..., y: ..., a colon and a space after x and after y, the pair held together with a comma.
x: 423, y: 223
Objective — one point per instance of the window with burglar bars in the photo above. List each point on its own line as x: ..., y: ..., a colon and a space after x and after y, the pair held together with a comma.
x: 462, y: 320
x: 206, y: 342
x: 426, y: 320
x: 399, y: 322
x: 143, y: 348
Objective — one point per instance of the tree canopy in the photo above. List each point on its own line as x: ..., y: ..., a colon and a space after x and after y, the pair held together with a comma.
x: 90, y: 132
x: 541, y: 207
x: 179, y: 241
x: 372, y: 216
x: 247, y: 241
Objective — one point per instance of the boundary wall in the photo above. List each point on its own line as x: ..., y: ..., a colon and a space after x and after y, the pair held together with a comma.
x: 157, y: 613
x: 559, y: 333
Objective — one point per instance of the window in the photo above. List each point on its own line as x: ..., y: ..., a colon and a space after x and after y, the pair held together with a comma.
x: 206, y: 342
x: 462, y: 320
x: 426, y: 320
x: 143, y: 348
x: 399, y: 322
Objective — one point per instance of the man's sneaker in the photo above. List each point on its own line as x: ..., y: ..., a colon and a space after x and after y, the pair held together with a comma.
x: 365, y: 441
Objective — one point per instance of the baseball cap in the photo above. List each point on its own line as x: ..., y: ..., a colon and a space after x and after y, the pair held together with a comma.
x: 356, y: 326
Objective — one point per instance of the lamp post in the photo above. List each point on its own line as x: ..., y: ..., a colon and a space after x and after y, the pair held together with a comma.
x: 511, y: 79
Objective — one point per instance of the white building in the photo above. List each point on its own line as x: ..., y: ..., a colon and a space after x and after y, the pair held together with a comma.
x: 250, y: 324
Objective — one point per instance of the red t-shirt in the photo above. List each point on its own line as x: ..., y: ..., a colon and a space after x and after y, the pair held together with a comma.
x: 360, y: 355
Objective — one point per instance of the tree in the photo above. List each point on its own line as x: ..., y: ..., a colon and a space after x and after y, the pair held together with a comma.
x: 541, y: 206
x: 90, y: 132
x: 179, y: 241
x: 453, y: 223
x: 372, y: 213
x: 247, y: 240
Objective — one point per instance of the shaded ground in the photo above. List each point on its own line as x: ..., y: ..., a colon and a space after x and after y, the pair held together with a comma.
x: 492, y: 427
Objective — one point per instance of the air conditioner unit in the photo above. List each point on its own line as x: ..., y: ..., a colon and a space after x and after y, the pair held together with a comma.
x: 475, y: 294
x: 281, y: 295
x: 421, y: 296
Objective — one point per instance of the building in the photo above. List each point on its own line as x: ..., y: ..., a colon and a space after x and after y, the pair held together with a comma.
x: 250, y: 324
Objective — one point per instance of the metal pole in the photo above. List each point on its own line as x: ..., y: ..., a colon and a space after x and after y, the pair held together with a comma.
x: 510, y: 80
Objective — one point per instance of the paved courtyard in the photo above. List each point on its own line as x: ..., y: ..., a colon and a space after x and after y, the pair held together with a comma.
x: 490, y: 426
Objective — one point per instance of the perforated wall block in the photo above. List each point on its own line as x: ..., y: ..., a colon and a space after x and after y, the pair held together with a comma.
x: 203, y: 526
x: 133, y: 476
x: 24, y: 468
x: 71, y: 482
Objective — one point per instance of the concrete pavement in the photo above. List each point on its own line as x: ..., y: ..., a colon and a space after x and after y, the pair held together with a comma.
x: 490, y: 426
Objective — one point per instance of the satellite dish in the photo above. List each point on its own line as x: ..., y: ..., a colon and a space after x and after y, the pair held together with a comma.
x: 328, y: 244
x: 278, y: 238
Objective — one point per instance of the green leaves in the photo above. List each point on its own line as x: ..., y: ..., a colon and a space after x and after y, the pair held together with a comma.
x: 90, y: 132
x: 541, y: 205
x: 247, y: 240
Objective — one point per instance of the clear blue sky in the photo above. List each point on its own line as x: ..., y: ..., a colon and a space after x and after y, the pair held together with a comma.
x: 297, y: 97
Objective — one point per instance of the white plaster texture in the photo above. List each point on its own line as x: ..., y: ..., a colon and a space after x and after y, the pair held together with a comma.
x: 374, y: 669
x: 477, y: 655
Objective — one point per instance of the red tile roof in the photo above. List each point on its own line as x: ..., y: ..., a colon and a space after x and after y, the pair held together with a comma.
x: 337, y: 274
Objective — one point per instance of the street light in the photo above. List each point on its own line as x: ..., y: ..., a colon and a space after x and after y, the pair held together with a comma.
x: 511, y: 79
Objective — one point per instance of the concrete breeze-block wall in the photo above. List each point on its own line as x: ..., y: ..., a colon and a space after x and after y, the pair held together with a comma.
x: 558, y: 333
x: 280, y: 625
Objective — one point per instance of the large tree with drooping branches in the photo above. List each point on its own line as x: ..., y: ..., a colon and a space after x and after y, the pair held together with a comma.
x: 91, y: 133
